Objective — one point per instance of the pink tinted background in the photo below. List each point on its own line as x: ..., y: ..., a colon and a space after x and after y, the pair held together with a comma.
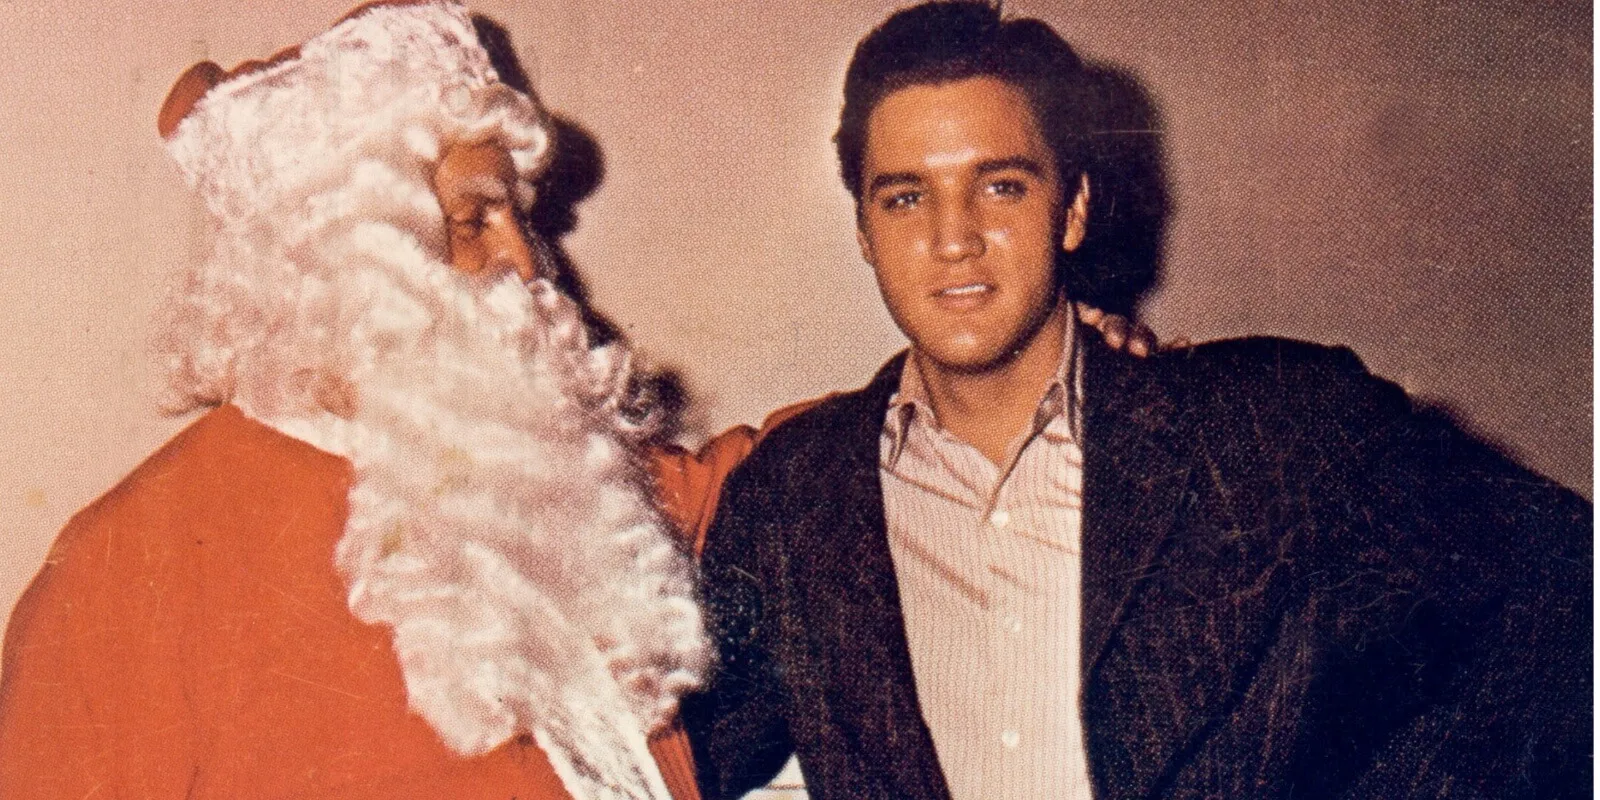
x: 1414, y: 180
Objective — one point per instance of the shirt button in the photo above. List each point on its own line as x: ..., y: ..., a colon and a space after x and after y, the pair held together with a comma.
x: 1011, y: 624
x: 1010, y: 739
x: 1000, y: 518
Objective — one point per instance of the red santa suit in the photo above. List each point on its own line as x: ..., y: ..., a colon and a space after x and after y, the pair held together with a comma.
x: 188, y: 637
x: 198, y: 632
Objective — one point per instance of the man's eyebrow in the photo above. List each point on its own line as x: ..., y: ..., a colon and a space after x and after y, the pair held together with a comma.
x: 985, y: 167
x: 1024, y: 163
x: 892, y: 178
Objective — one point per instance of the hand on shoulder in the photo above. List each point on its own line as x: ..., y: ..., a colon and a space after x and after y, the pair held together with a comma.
x: 1126, y: 335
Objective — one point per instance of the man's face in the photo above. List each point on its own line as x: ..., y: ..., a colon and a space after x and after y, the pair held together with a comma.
x: 960, y: 218
x: 476, y: 186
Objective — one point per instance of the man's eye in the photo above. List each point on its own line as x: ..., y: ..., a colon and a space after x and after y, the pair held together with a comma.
x: 1008, y: 188
x: 467, y: 226
x: 901, y: 200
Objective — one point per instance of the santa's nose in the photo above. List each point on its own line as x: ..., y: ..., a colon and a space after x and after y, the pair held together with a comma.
x: 505, y: 248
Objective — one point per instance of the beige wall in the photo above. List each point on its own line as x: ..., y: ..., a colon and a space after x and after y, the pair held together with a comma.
x: 1410, y: 179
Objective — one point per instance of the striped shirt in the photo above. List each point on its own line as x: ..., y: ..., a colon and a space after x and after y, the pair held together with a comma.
x: 989, y: 569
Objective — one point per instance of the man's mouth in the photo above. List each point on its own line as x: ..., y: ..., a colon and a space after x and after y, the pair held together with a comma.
x: 964, y: 297
x: 965, y: 290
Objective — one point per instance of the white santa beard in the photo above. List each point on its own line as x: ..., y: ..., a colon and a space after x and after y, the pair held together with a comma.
x: 500, y: 522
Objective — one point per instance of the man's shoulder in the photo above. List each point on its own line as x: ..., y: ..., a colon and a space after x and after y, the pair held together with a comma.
x: 822, y: 429
x: 813, y: 423
x: 817, y: 441
x: 1261, y: 361
x: 818, y: 432
x: 224, y: 464
x: 1269, y: 374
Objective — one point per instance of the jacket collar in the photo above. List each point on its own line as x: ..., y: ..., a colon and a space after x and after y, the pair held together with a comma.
x: 909, y: 403
x: 1134, y: 478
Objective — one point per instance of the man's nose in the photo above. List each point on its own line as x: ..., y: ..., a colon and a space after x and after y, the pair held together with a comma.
x: 505, y: 248
x: 958, y: 234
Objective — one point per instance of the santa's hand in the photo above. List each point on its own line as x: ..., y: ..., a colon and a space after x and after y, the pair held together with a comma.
x: 1126, y: 335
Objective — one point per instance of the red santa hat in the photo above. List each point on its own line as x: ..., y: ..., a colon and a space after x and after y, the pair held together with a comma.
x: 399, y: 74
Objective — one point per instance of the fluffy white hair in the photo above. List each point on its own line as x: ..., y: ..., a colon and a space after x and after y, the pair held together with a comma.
x: 389, y: 75
x: 500, y: 521
x: 282, y: 152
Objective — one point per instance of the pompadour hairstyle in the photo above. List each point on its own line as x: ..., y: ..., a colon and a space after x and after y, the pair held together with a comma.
x: 942, y: 41
x: 1095, y: 119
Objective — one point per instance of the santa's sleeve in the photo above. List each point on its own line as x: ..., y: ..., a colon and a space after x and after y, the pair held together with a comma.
x: 688, y: 484
x: 91, y: 689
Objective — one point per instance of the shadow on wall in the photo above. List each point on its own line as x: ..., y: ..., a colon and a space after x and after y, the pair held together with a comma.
x: 1122, y: 259
x: 576, y: 172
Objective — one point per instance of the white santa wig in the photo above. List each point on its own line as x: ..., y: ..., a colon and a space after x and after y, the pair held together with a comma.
x: 281, y: 153
x: 501, y: 521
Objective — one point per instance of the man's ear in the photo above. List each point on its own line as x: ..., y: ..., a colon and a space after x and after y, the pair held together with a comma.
x: 1077, y: 225
x: 865, y: 245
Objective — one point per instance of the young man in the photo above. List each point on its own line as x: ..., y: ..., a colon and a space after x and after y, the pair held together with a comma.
x: 1016, y: 565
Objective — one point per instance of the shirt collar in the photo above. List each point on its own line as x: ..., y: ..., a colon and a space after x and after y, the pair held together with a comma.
x: 909, y: 404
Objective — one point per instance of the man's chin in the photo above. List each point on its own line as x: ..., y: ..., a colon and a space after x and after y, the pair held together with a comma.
x: 964, y: 354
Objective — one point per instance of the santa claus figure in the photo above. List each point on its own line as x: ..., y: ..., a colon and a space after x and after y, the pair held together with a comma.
x: 410, y: 550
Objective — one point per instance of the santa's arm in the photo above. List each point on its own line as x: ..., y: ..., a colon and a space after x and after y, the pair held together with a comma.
x: 687, y: 484
x: 687, y: 488
x: 91, y: 697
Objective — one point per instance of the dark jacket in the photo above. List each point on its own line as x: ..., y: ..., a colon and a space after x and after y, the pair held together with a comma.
x: 1295, y: 585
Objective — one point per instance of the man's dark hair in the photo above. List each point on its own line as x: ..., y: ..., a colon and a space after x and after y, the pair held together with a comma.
x: 940, y: 42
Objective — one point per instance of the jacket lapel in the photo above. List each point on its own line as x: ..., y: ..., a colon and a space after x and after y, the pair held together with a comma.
x: 852, y: 602
x: 1136, y: 477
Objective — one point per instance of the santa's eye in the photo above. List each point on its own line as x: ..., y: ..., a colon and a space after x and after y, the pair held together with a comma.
x: 466, y: 226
